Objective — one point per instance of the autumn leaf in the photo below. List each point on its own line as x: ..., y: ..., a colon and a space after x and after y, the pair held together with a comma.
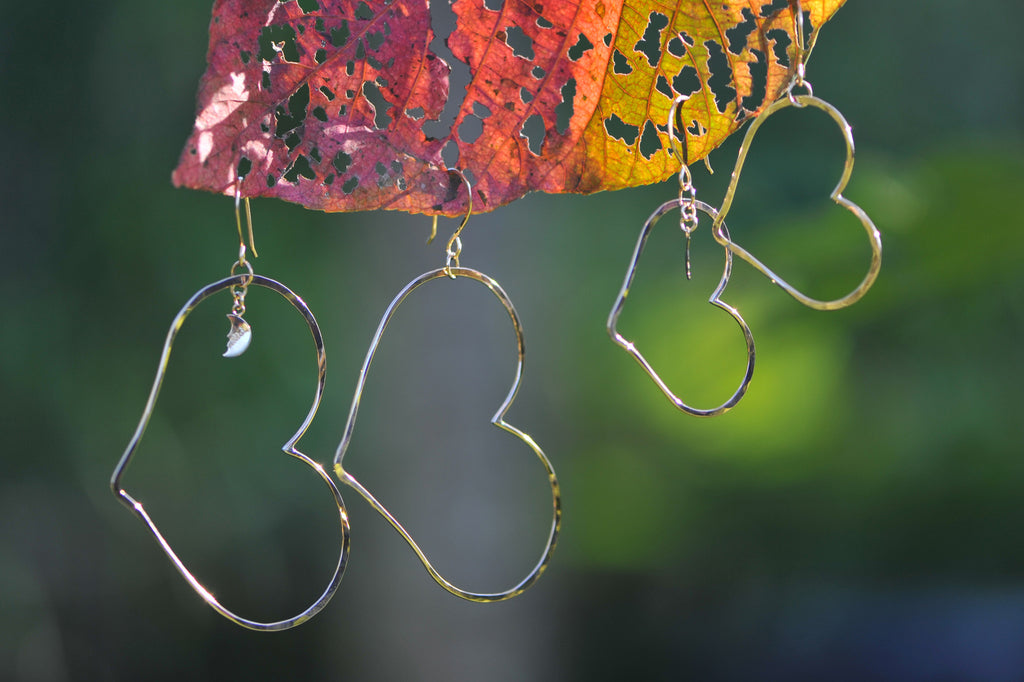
x: 323, y: 102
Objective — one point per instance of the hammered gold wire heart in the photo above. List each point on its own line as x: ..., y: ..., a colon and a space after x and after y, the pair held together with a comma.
x: 715, y: 300
x: 289, y: 448
x: 453, y: 271
x: 874, y: 238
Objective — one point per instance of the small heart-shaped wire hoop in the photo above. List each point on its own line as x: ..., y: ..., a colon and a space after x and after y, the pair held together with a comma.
x: 246, y: 279
x: 631, y: 348
x: 874, y: 238
x: 454, y: 271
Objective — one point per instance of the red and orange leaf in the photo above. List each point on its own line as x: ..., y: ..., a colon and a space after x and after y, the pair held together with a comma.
x: 323, y: 102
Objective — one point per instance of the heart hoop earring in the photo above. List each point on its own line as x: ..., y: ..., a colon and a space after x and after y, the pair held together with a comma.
x: 452, y: 270
x: 688, y: 207
x: 800, y: 101
x: 239, y: 336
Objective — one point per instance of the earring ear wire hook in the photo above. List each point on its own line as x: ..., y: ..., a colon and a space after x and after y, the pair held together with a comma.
x: 454, y: 247
x: 687, y: 192
x: 238, y: 223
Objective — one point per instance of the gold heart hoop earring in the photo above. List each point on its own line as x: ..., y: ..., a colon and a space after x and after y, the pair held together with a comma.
x: 688, y: 206
x: 239, y: 336
x: 800, y: 101
x: 453, y: 270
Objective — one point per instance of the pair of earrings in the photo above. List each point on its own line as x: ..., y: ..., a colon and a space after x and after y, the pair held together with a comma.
x: 688, y: 207
x: 240, y: 332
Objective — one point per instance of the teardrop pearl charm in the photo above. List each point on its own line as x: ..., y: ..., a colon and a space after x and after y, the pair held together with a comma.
x: 239, y: 336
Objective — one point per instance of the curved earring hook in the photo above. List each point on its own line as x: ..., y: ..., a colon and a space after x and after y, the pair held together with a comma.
x: 248, y: 221
x: 715, y: 300
x: 454, y: 247
x: 677, y: 147
x: 289, y: 448
x: 498, y: 420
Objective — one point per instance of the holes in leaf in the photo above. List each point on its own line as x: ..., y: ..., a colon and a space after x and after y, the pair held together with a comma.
x: 340, y: 35
x: 759, y: 80
x: 244, y: 166
x: 329, y: 180
x: 650, y: 44
x: 676, y: 47
x: 416, y: 114
x: 328, y: 93
x: 577, y: 51
x: 315, y: 153
x: 341, y: 162
x: 533, y: 131
x: 320, y: 113
x: 607, y: 39
x: 374, y: 40
x: 621, y: 130
x: 686, y: 82
x: 278, y: 39
x: 650, y: 143
x: 494, y: 5
x: 696, y: 129
x: 772, y: 7
x: 738, y: 34
x: 537, y: 72
x: 662, y: 86
x: 525, y: 95
x: 544, y: 23
x: 320, y: 25
x: 308, y: 6
x: 299, y: 167
x: 350, y: 185
x: 780, y: 41
x: 471, y: 129
x: 565, y: 110
x: 360, y: 51
x: 296, y: 114
x: 481, y: 111
x: 721, y: 76
x: 265, y: 80
x: 443, y: 20
x: 364, y: 12
x: 245, y: 55
x: 292, y: 141
x: 271, y: 180
x: 450, y: 154
x: 521, y: 44
x: 620, y: 64
x: 320, y: 57
x: 380, y: 105
x: 350, y: 68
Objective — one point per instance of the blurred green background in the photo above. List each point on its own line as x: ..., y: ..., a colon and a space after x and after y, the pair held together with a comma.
x: 858, y: 516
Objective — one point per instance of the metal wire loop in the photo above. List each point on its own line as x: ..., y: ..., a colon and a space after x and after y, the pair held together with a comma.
x: 714, y: 299
x: 290, y: 448
x: 873, y: 235
x: 497, y: 420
